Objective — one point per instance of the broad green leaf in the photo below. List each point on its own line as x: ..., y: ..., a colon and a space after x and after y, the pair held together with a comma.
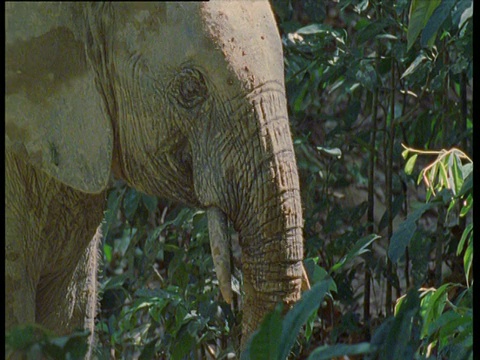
x: 443, y: 177
x: 410, y: 164
x: 462, y: 12
x: 130, y: 203
x: 372, y: 30
x: 299, y: 314
x: 468, y: 260
x: 150, y: 202
x: 435, y: 21
x: 148, y: 351
x: 379, y: 339
x: 400, y: 335
x: 467, y: 205
x: 457, y: 174
x: 405, y: 154
x: 452, y: 323
x: 434, y: 306
x: 401, y: 238
x: 467, y: 184
x: 420, y: 13
x: 265, y: 344
x: 328, y: 352
x: 317, y: 273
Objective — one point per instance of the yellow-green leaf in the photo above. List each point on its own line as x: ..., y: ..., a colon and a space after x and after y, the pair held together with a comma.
x: 410, y: 164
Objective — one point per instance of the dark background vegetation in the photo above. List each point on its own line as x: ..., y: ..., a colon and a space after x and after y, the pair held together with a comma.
x: 389, y: 256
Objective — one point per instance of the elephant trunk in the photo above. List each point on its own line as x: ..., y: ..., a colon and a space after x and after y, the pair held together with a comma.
x: 271, y: 231
x: 258, y: 190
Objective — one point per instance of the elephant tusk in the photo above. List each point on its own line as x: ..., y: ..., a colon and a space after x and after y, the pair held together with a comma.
x: 221, y: 248
x: 305, y: 281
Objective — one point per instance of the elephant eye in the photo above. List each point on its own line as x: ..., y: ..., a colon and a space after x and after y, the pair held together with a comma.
x: 191, y: 88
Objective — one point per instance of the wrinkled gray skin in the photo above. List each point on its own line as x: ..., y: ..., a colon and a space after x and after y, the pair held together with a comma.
x: 181, y: 100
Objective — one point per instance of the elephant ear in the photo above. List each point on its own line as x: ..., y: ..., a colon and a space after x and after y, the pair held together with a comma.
x: 55, y: 116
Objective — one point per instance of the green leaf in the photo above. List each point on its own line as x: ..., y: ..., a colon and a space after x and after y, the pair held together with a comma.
x: 313, y: 29
x: 130, y: 203
x: 265, y: 345
x: 401, y: 238
x: 372, y: 30
x: 398, y: 340
x: 435, y: 21
x: 113, y: 204
x: 433, y: 306
x: 317, y: 273
x: 328, y: 352
x: 148, y: 351
x: 150, y: 202
x: 466, y: 237
x: 410, y: 164
x: 420, y: 59
x: 107, y: 251
x: 451, y: 324
x: 468, y: 260
x: 420, y: 13
x: 333, y: 152
x: 457, y: 174
x: 299, y: 314
x: 360, y: 247
x: 462, y: 12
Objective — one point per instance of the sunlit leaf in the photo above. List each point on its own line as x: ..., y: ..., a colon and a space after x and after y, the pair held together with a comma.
x: 334, y: 152
x: 420, y: 59
x: 467, y: 205
x: 433, y: 306
x: 410, y: 164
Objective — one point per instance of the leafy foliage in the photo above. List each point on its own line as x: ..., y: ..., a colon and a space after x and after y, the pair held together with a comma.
x: 35, y: 342
x: 363, y: 78
x: 160, y: 297
x: 389, y: 257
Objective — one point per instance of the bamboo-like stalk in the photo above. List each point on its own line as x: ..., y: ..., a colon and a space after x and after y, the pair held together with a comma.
x: 388, y: 180
x: 371, y: 203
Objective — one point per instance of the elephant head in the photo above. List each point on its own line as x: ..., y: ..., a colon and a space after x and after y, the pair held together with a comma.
x: 181, y: 100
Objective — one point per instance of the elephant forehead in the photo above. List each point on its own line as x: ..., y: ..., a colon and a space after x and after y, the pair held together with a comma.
x: 227, y: 39
x: 247, y: 35
x: 165, y: 33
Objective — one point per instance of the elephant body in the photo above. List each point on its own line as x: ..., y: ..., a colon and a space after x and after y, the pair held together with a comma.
x: 50, y: 251
x: 181, y: 100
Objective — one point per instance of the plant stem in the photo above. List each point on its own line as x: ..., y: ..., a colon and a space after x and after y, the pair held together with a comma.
x: 371, y: 203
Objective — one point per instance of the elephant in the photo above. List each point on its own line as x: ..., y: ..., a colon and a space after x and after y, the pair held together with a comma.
x: 181, y: 100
